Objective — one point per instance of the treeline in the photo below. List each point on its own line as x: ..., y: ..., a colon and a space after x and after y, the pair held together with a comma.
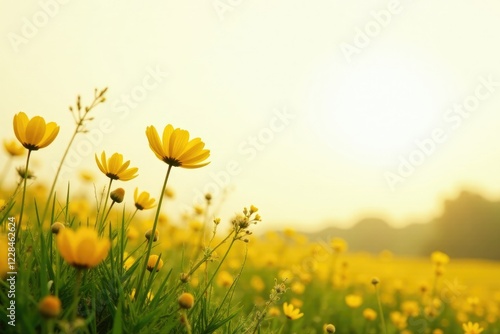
x: 468, y: 227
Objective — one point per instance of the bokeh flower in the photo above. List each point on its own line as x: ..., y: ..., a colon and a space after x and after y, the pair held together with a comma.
x: 353, y: 301
x: 152, y: 263
x: 175, y: 148
x: 35, y: 133
x: 143, y: 201
x: 186, y: 300
x: 369, y: 314
x: 83, y: 249
x: 50, y: 306
x: 472, y: 328
x: 329, y: 328
x: 13, y: 148
x: 115, y: 168
x: 291, y: 312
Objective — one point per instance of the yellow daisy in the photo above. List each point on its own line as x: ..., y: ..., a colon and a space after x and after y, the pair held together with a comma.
x: 82, y: 249
x: 13, y: 148
x: 175, y: 148
x: 472, y: 328
x: 143, y: 201
x: 115, y: 168
x: 291, y: 312
x: 35, y: 133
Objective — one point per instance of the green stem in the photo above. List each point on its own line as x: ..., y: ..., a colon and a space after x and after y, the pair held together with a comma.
x: 153, y: 231
x: 220, y: 264
x: 24, y: 194
x: 104, y: 207
x: 76, y: 298
x: 79, y: 124
x: 381, y: 310
x: 109, y: 210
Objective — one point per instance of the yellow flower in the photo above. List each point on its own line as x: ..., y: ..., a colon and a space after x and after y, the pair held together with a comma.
x: 338, y: 245
x: 224, y: 278
x: 35, y: 133
x: 329, y: 328
x: 50, y: 306
x: 298, y: 288
x: 175, y: 148
x: 153, y: 259
x: 291, y: 312
x: 117, y: 195
x: 439, y: 258
x: 13, y: 148
x: 353, y: 301
x: 472, y: 328
x: 369, y: 314
x: 128, y: 263
x: 82, y: 249
x: 115, y: 168
x: 143, y: 201
x: 257, y: 283
x: 410, y: 308
x: 274, y: 311
x: 186, y: 300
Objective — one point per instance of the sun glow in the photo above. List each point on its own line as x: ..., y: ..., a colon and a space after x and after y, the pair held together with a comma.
x: 377, y: 111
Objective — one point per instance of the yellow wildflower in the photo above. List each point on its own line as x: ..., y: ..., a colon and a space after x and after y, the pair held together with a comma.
x: 143, y: 201
x: 13, y: 148
x: 50, y: 306
x: 152, y: 262
x: 82, y: 249
x: 472, y: 328
x: 369, y: 314
x: 115, y: 168
x: 353, y: 301
x: 186, y: 300
x: 35, y: 133
x: 291, y: 312
x: 175, y: 148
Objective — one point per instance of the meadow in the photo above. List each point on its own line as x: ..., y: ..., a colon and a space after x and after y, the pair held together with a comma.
x: 115, y: 262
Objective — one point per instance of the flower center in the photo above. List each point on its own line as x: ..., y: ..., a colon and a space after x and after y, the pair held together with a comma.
x: 172, y: 161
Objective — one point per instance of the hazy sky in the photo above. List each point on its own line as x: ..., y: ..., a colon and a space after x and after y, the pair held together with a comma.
x: 314, y: 111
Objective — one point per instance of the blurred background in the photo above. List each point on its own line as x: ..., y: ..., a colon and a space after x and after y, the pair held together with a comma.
x: 378, y: 116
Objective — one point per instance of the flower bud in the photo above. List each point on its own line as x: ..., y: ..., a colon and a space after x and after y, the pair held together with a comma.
x: 186, y: 300
x: 50, y: 306
x: 148, y: 235
x: 117, y: 195
x: 57, y: 227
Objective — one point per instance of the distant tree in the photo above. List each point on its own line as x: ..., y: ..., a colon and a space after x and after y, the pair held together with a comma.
x: 468, y: 227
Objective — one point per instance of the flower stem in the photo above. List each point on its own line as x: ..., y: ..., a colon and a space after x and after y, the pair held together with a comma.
x: 76, y: 298
x: 103, y: 216
x: 98, y: 98
x: 381, y: 310
x: 25, y: 176
x: 153, y: 231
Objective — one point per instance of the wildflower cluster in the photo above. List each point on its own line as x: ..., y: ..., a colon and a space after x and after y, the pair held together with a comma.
x: 97, y: 262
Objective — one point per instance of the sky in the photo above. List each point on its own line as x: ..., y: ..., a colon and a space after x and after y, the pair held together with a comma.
x: 319, y: 113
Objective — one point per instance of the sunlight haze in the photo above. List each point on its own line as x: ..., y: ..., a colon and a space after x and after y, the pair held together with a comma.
x: 318, y: 113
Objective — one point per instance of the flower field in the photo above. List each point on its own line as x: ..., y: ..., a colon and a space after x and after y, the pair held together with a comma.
x: 119, y: 263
